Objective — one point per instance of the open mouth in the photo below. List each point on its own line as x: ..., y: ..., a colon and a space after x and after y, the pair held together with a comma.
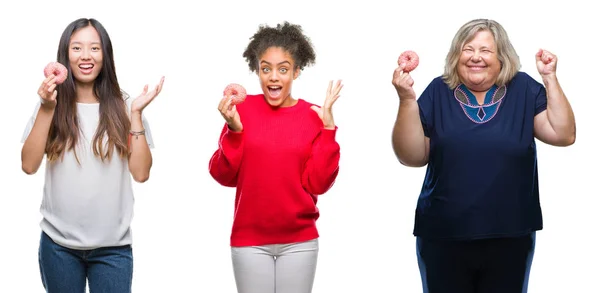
x: 86, y: 68
x: 274, y: 91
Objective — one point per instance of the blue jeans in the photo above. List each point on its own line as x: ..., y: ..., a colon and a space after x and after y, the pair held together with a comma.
x: 65, y: 270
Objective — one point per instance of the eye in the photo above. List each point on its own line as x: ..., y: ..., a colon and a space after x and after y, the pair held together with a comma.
x: 95, y: 48
x: 468, y: 49
x: 283, y: 70
x: 76, y: 48
x: 266, y: 69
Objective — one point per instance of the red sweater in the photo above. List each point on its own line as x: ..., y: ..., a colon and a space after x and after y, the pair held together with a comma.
x: 279, y: 163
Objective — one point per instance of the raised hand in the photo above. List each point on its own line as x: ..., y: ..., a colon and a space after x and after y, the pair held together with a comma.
x: 146, y: 97
x: 230, y: 114
x: 47, y: 92
x: 403, y: 83
x: 325, y: 112
x: 545, y: 62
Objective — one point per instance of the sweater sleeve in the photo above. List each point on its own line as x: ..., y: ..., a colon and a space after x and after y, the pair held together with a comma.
x: 322, y: 166
x: 225, y: 162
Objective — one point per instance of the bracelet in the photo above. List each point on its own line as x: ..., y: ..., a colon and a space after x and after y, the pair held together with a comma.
x: 137, y: 133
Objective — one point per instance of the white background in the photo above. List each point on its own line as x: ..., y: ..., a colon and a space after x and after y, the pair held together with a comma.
x: 183, y: 217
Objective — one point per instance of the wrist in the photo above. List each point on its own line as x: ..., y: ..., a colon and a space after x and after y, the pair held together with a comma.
x: 135, y: 134
x: 48, y: 107
x: 235, y: 129
x: 406, y: 96
x: 549, y: 78
x: 407, y: 102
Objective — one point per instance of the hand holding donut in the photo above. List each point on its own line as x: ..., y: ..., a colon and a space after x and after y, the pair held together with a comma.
x: 325, y: 112
x: 55, y: 74
x: 146, y: 97
x: 47, y: 92
x: 402, y: 80
x: 546, y: 62
x: 233, y: 94
x: 230, y: 114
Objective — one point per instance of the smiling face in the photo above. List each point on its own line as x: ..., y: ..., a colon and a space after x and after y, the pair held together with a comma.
x: 277, y: 71
x: 85, y: 55
x: 478, y: 66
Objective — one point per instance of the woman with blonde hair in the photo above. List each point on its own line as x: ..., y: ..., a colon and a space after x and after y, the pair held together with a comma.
x: 475, y: 129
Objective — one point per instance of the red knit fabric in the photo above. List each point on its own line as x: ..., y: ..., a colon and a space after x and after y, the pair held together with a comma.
x: 279, y: 163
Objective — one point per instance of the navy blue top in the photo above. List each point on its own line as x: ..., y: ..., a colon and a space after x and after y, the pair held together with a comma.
x: 482, y: 178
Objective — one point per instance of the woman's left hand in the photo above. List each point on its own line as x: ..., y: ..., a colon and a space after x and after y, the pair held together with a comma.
x: 546, y: 62
x: 325, y: 112
x: 146, y: 97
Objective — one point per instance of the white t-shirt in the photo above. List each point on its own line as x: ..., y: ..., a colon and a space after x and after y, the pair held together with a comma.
x: 88, y: 205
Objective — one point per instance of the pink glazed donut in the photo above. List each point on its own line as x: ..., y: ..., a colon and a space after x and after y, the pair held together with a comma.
x: 236, y: 92
x: 410, y: 60
x: 59, y: 70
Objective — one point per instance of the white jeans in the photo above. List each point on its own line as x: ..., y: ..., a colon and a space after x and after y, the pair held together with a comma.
x: 275, y: 268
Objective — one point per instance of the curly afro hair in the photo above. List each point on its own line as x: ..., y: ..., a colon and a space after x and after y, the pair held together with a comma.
x: 287, y: 36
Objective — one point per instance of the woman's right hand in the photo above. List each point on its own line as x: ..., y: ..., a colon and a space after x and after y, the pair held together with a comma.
x: 403, y: 83
x: 230, y: 114
x: 47, y: 92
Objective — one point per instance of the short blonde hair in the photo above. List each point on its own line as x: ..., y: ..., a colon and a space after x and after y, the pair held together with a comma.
x: 509, y: 60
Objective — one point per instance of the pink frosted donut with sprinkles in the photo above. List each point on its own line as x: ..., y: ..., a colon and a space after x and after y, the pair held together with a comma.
x: 236, y: 92
x: 59, y: 70
x: 410, y: 60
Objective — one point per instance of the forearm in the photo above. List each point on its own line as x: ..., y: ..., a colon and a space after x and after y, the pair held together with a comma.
x: 322, y: 167
x: 34, y: 147
x: 140, y: 157
x: 408, y: 139
x: 559, y: 111
x: 225, y: 161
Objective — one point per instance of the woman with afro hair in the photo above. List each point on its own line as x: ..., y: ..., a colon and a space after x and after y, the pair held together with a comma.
x: 280, y: 154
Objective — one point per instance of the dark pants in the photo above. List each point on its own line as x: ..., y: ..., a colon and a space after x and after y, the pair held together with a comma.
x: 497, y: 265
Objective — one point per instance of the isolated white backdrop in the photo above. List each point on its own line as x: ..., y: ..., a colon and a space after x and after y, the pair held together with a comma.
x: 183, y: 218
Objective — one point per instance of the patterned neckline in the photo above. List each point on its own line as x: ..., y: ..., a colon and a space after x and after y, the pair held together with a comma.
x: 480, y: 113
